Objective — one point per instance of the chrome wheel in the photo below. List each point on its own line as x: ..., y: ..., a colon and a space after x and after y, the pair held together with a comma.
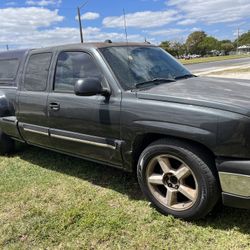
x: 172, y: 182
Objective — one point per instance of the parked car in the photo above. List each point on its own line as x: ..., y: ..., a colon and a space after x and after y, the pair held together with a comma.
x: 134, y: 107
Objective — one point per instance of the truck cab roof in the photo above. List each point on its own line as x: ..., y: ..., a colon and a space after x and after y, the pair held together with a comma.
x: 18, y: 54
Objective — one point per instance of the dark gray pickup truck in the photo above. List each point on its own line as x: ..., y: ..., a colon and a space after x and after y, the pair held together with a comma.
x: 133, y: 106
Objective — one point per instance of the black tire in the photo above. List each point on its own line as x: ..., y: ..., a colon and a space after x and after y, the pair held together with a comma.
x: 7, y: 145
x: 201, y: 168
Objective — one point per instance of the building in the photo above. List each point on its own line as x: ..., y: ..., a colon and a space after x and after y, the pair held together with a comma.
x: 244, y: 49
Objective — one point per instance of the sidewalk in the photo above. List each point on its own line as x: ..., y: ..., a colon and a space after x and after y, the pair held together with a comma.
x: 240, y: 72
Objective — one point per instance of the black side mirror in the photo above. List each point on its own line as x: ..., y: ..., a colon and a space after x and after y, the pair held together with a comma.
x: 90, y: 86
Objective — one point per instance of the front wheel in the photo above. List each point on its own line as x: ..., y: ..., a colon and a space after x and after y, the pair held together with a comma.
x: 178, y: 179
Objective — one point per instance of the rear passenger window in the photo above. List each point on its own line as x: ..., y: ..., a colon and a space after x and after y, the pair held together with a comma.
x: 37, y: 71
x: 8, y: 69
x: 72, y: 66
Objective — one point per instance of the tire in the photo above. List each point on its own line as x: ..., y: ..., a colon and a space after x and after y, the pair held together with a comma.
x: 179, y: 179
x: 7, y: 145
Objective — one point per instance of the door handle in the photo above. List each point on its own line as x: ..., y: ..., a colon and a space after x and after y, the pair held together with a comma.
x: 54, y: 106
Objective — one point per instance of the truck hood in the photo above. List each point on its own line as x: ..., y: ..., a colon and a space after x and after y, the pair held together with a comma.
x: 220, y: 93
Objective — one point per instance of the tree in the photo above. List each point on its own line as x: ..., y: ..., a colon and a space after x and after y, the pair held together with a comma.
x: 227, y: 47
x: 174, y: 48
x: 166, y: 46
x: 208, y: 44
x: 194, y: 40
x: 177, y: 49
x: 244, y: 39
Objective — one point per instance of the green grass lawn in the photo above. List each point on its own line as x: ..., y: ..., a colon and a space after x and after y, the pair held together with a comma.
x: 52, y: 201
x: 212, y: 59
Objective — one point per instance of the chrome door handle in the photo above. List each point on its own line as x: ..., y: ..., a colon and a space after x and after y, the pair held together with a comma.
x: 54, y: 106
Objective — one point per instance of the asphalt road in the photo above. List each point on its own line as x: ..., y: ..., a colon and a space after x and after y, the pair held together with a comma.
x: 210, y: 66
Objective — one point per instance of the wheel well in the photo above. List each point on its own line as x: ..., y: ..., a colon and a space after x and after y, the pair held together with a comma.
x: 142, y: 141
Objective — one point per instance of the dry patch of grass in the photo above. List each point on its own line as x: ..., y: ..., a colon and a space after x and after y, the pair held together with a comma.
x: 52, y: 201
x: 233, y: 71
x: 212, y: 59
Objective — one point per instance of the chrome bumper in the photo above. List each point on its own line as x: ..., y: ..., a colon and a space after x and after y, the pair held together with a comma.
x: 237, y: 184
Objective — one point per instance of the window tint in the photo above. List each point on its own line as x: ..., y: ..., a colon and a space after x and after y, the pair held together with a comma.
x: 72, y: 66
x: 8, y: 68
x: 37, y: 71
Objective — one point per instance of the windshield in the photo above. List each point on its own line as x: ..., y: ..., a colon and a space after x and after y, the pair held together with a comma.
x: 133, y: 65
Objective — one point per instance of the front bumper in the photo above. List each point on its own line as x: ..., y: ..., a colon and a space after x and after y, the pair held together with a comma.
x: 235, y: 183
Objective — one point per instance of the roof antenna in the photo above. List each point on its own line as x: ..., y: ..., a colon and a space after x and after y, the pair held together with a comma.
x: 125, y: 25
x: 146, y: 41
x: 126, y: 34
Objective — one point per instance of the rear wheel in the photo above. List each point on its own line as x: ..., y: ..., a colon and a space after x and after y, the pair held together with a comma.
x: 178, y: 179
x: 7, y: 145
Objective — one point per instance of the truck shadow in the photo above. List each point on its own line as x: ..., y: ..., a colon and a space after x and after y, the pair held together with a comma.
x: 223, y: 218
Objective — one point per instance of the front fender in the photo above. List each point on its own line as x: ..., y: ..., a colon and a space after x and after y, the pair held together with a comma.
x: 199, y: 135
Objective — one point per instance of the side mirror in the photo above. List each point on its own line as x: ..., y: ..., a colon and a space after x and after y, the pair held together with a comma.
x: 89, y: 86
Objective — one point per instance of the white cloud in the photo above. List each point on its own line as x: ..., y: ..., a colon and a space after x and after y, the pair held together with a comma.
x: 144, y: 19
x: 187, y: 22
x: 89, y: 16
x: 211, y: 11
x: 167, y: 32
x: 22, y: 19
x: 44, y: 2
x: 34, y: 27
x: 195, y: 29
x: 65, y: 35
x: 23, y: 23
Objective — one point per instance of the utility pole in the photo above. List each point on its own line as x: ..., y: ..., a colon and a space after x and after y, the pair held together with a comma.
x: 238, y: 36
x: 80, y: 20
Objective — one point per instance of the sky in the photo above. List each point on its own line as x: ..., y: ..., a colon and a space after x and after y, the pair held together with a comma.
x: 40, y: 23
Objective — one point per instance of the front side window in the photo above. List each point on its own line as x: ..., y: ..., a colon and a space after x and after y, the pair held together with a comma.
x: 72, y: 66
x: 133, y: 65
x: 37, y: 71
x: 8, y: 68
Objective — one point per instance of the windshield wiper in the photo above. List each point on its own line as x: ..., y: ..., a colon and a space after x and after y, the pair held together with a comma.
x: 155, y: 81
x: 184, y: 76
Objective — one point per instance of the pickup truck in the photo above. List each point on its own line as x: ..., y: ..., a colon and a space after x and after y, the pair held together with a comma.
x: 134, y: 107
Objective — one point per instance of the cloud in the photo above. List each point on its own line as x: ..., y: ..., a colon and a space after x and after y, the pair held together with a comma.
x: 66, y: 35
x: 44, y: 2
x: 144, y: 19
x: 195, y: 29
x: 89, y: 16
x: 211, y: 11
x: 22, y: 19
x: 187, y: 22
x: 35, y: 27
x: 167, y: 32
x: 24, y: 23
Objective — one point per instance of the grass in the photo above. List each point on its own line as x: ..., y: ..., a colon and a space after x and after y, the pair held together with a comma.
x: 52, y: 201
x: 212, y: 59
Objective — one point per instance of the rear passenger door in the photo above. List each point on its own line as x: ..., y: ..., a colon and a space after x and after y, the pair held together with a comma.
x: 32, y: 101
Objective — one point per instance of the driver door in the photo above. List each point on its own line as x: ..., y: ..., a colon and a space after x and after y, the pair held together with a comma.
x: 79, y: 125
